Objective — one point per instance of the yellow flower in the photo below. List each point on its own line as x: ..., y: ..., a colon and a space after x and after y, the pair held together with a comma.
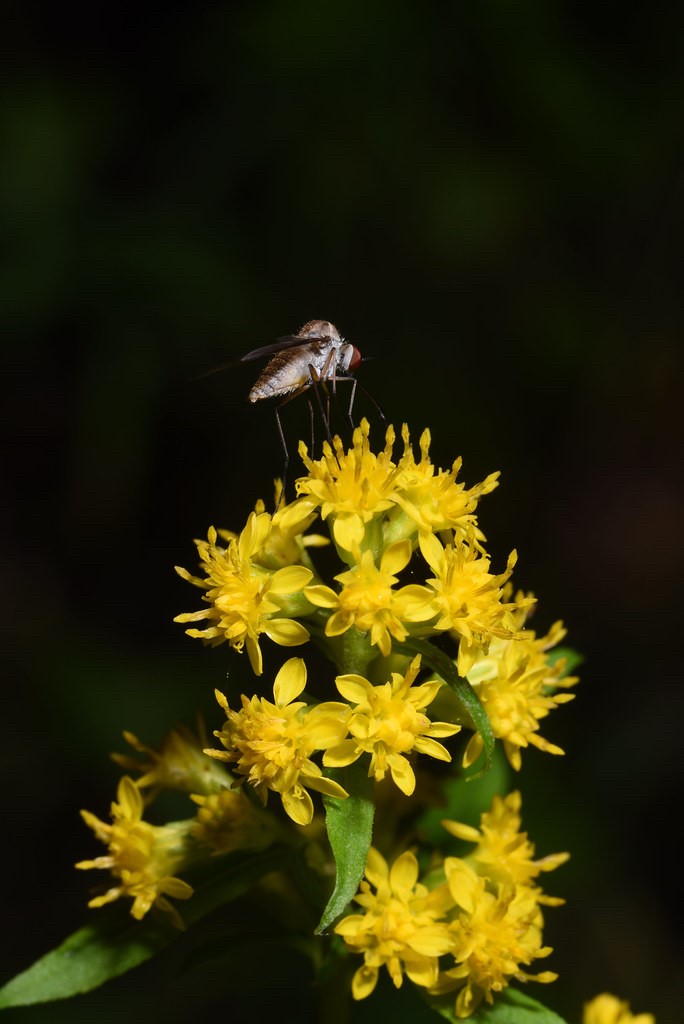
x: 246, y: 599
x: 388, y: 723
x: 284, y: 543
x: 180, y: 764
x: 227, y: 821
x: 142, y: 857
x: 367, y: 600
x: 515, y: 682
x: 607, y: 1009
x: 494, y: 935
x: 463, y: 596
x: 433, y: 500
x: 352, y: 487
x: 271, y: 743
x: 401, y: 927
x: 504, y: 854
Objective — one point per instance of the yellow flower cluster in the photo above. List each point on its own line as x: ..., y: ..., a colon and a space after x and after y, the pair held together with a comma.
x: 414, y: 567
x: 386, y: 517
x: 477, y: 927
x: 516, y: 682
x: 607, y: 1009
x: 379, y: 513
x: 144, y: 859
x: 271, y: 743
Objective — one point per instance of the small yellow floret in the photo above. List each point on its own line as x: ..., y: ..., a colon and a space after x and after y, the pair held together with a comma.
x: 271, y: 743
x: 245, y: 599
x: 495, y: 935
x: 517, y: 684
x: 504, y: 854
x: 367, y: 599
x: 142, y: 857
x: 433, y: 499
x: 401, y: 928
x: 352, y: 487
x: 607, y: 1009
x: 389, y: 722
x: 463, y: 597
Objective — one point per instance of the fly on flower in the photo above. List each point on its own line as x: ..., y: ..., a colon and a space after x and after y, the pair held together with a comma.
x: 317, y: 355
x: 310, y: 360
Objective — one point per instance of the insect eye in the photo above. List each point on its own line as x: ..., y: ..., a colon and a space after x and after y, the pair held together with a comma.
x: 356, y: 359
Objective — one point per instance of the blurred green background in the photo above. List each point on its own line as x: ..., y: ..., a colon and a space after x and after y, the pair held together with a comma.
x: 486, y: 199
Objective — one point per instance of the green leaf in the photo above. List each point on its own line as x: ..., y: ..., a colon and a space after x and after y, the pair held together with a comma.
x: 511, y: 1007
x: 468, y: 700
x: 350, y: 830
x: 115, y: 942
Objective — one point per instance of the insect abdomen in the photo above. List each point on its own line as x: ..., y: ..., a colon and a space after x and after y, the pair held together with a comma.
x: 279, y: 377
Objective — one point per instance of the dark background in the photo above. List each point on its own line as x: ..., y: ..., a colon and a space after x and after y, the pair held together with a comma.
x: 487, y: 199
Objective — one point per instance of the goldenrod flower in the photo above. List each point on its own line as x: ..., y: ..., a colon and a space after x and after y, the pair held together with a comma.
x: 284, y: 543
x: 227, y: 821
x: 494, y: 936
x: 463, y: 596
x: 179, y: 764
x: 516, y: 682
x: 607, y: 1009
x: 271, y: 743
x: 352, y: 487
x: 367, y: 600
x: 142, y: 857
x: 402, y: 926
x: 388, y: 723
x: 504, y: 854
x: 245, y: 599
x: 433, y: 499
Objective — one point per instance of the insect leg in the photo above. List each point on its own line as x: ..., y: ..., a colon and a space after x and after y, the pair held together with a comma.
x: 351, y: 401
x: 286, y: 456
x: 311, y: 416
x: 356, y: 383
x: 316, y: 379
x: 281, y: 433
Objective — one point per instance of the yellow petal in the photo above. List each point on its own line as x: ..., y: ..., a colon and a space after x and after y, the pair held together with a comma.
x: 322, y: 597
x: 254, y: 654
x: 290, y: 681
x: 404, y: 874
x: 396, y: 557
x: 432, y: 552
x: 299, y: 808
x: 286, y: 632
x: 402, y: 773
x: 462, y: 831
x: 323, y: 785
x: 353, y: 687
x: 290, y: 579
x: 343, y: 754
x: 348, y: 531
x: 364, y: 981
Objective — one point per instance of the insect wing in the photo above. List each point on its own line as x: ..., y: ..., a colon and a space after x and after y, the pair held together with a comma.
x: 289, y: 341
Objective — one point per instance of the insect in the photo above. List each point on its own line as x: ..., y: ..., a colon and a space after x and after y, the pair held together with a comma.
x: 316, y: 355
x: 313, y: 359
